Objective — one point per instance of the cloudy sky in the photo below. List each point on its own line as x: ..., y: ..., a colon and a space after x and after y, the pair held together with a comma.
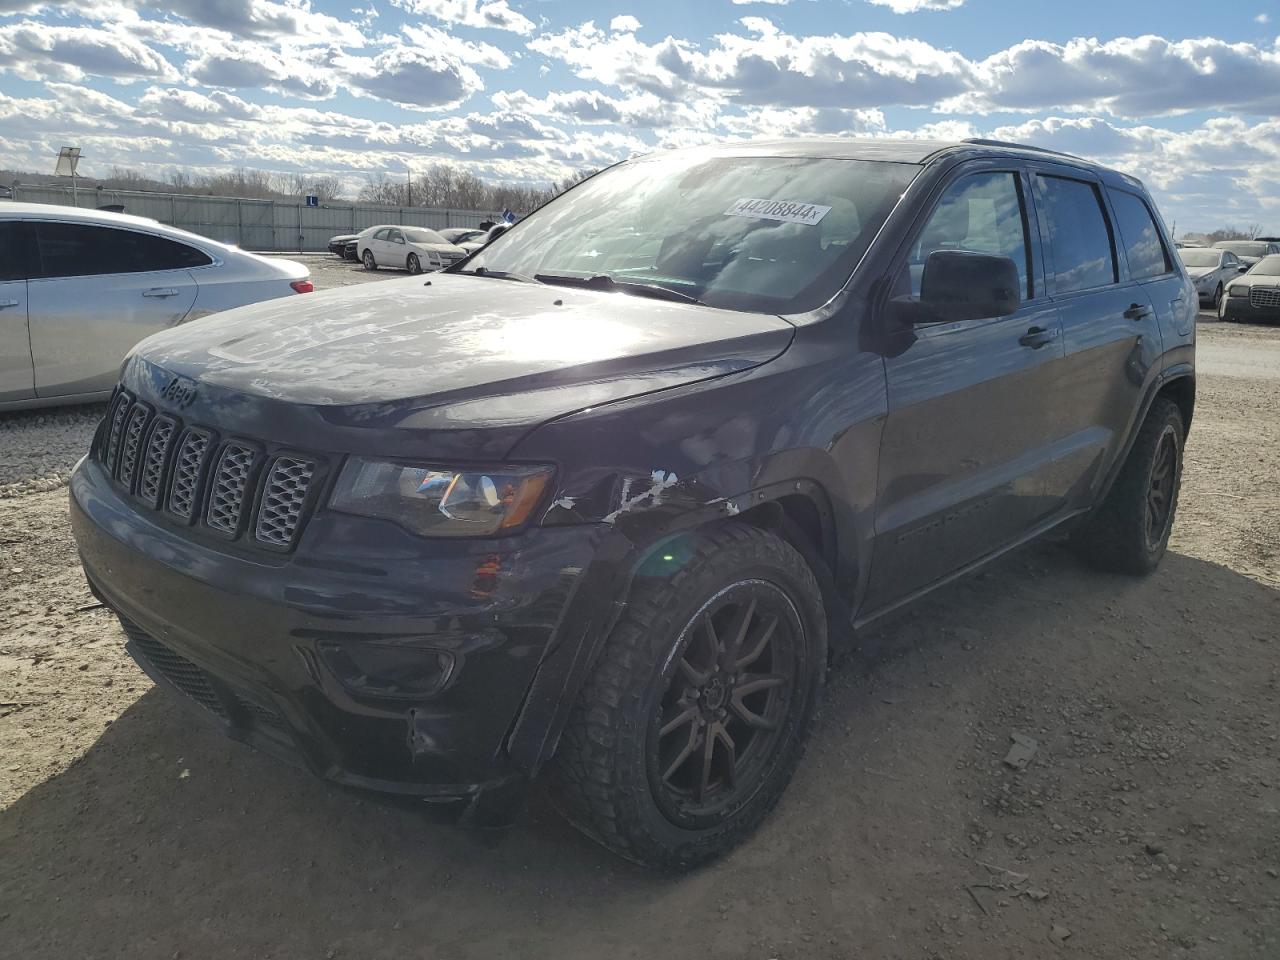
x: 1185, y: 95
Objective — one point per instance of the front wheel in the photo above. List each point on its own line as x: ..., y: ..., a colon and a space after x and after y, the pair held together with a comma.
x: 1217, y: 300
x: 688, y: 730
x: 412, y: 264
x: 369, y: 263
x: 1129, y: 531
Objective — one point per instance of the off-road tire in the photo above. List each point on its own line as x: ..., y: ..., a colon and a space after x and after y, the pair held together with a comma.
x: 600, y: 778
x: 1115, y: 536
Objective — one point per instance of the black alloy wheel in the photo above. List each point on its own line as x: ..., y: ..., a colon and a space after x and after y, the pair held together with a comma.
x: 1161, y: 486
x: 733, y: 678
x: 696, y: 710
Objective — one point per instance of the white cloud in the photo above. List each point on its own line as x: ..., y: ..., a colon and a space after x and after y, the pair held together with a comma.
x: 36, y: 51
x: 243, y: 64
x: 414, y: 77
x: 780, y: 3
x: 259, y: 19
x: 495, y: 14
x: 1262, y: 18
x: 915, y: 6
x: 625, y: 23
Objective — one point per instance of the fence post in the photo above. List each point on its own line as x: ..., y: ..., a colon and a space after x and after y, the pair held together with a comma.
x: 353, y: 218
x: 173, y: 210
x: 300, y: 244
x: 274, y: 245
x: 240, y: 223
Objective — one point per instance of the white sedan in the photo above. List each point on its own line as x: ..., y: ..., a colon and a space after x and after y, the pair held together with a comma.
x: 406, y: 248
x: 78, y: 288
x: 1212, y: 270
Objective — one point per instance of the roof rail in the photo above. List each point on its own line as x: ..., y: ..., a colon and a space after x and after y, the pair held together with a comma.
x: 982, y: 142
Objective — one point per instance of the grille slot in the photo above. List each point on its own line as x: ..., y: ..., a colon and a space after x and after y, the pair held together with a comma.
x: 178, y: 670
x: 159, y: 443
x: 135, y: 428
x: 188, y: 466
x: 115, y: 430
x: 1264, y: 297
x: 283, y: 498
x: 227, y: 492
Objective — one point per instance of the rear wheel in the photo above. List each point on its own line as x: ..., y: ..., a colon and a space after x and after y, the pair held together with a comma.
x: 369, y: 263
x: 694, y: 718
x: 1129, y: 531
x: 412, y: 264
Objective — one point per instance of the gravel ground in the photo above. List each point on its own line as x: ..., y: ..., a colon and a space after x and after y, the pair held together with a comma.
x: 1147, y: 825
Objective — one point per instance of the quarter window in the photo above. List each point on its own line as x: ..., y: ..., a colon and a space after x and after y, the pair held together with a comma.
x: 1079, y: 237
x: 982, y: 214
x: 80, y: 250
x: 1143, y: 247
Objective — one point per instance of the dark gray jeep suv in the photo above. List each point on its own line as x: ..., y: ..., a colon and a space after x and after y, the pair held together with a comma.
x: 594, y: 504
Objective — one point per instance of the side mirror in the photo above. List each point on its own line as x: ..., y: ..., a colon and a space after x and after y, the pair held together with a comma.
x: 959, y: 285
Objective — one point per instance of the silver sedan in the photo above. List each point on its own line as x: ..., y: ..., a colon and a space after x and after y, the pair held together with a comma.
x: 78, y: 288
x: 1212, y: 270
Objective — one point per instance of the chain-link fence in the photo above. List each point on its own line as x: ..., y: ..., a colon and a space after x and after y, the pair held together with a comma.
x: 268, y: 225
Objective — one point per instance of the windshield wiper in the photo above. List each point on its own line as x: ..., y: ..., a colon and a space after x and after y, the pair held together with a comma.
x: 603, y: 281
x: 500, y: 275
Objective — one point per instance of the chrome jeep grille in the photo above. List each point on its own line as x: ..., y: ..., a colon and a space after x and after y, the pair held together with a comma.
x: 283, y: 497
x: 226, y: 485
x: 1264, y: 296
x: 226, y: 498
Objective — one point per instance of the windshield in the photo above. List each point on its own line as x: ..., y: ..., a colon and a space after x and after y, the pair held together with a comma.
x: 1200, y: 258
x: 1242, y: 248
x: 422, y: 235
x: 1267, y: 267
x: 764, y: 234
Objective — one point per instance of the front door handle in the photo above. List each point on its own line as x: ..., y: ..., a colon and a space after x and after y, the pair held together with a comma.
x: 8, y: 303
x: 1036, y: 337
x: 1137, y: 311
x: 161, y: 292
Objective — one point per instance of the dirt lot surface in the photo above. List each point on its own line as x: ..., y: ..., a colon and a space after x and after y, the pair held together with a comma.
x: 1147, y: 824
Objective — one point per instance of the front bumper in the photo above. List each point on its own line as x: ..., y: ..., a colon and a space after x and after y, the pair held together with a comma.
x: 1240, y: 308
x: 266, y: 645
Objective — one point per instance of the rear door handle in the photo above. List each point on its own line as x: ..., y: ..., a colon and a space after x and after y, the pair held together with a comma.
x: 8, y: 303
x: 1137, y: 311
x: 161, y: 292
x: 1036, y: 337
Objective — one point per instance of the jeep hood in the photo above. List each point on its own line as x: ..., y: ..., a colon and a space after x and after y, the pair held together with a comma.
x: 457, y: 352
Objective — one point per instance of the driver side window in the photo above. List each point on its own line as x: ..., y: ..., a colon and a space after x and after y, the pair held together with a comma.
x: 981, y: 213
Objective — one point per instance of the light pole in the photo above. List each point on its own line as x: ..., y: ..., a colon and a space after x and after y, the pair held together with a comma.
x: 68, y: 160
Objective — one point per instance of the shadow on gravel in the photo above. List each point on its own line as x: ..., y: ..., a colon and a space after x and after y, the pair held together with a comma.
x: 165, y: 840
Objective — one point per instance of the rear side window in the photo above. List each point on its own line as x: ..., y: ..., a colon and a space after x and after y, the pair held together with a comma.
x: 981, y: 213
x: 81, y: 250
x: 1078, y: 234
x: 1143, y: 247
x: 13, y: 254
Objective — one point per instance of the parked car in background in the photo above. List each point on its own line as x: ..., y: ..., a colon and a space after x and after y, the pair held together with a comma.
x: 1255, y: 295
x: 595, y: 505
x: 469, y: 239
x: 405, y: 248
x: 1212, y: 270
x: 339, y: 245
x: 1249, y: 251
x: 78, y: 288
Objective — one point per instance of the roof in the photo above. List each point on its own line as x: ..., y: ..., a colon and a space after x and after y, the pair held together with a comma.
x: 899, y: 151
x: 57, y: 211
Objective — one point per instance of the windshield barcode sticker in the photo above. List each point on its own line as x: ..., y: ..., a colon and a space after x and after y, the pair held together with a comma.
x: 788, y: 211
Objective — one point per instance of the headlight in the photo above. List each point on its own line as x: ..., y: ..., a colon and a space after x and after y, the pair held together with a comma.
x: 437, y: 502
x: 1238, y: 290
